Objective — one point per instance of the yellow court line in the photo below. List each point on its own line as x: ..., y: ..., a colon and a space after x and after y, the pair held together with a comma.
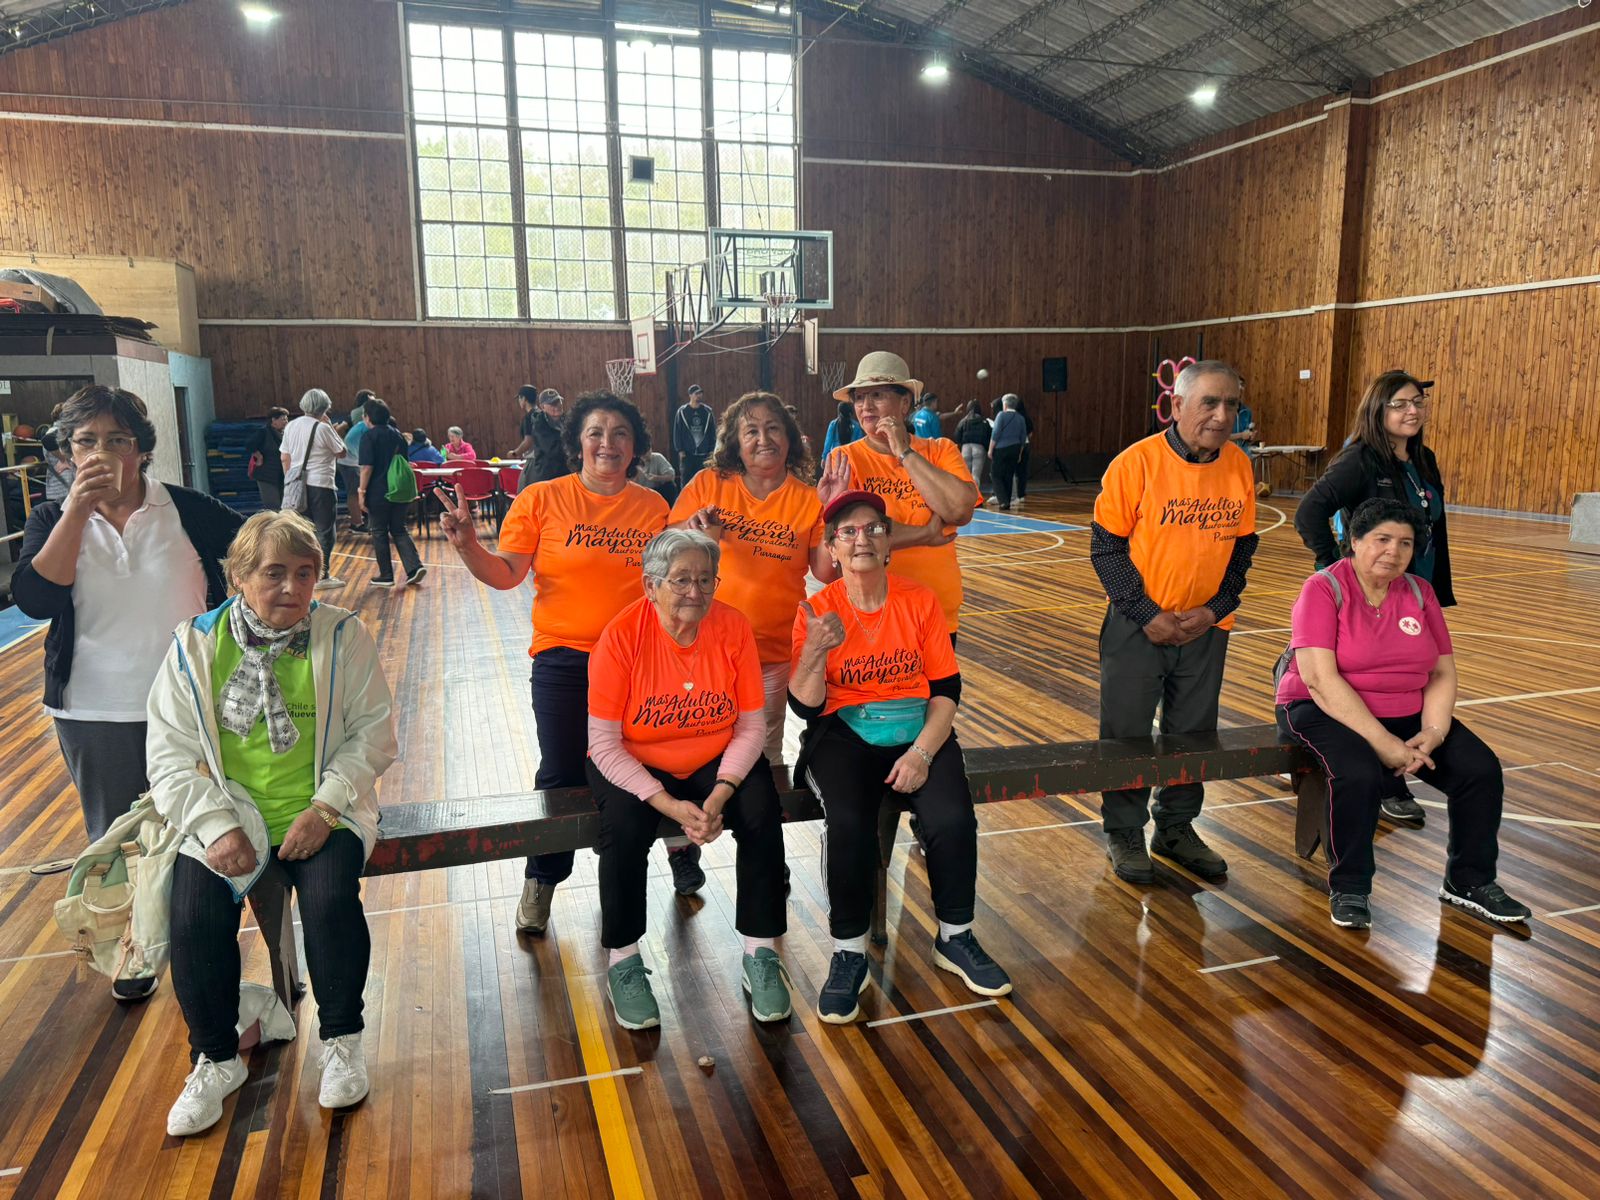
x: 622, y: 1165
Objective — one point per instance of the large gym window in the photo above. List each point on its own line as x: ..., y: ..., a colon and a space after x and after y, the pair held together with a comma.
x: 562, y: 173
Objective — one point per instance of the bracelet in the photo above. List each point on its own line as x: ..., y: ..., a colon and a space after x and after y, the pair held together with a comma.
x: 328, y: 819
x: 926, y: 757
x: 910, y: 450
x: 733, y: 785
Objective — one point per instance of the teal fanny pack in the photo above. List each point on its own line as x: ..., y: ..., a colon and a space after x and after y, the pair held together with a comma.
x: 887, y: 722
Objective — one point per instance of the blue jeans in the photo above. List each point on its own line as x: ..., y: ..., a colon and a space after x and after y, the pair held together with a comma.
x: 560, y: 684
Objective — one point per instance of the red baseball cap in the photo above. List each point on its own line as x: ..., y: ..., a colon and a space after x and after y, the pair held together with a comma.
x: 841, y: 502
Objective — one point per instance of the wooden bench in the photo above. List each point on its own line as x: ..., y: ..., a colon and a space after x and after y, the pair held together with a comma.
x: 453, y: 833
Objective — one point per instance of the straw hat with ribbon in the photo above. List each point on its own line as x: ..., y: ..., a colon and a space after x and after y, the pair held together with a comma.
x: 881, y: 368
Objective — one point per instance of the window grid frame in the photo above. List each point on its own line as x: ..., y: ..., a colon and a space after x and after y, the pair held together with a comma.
x: 521, y: 230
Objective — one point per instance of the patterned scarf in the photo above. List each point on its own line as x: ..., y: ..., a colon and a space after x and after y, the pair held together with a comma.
x: 252, y: 690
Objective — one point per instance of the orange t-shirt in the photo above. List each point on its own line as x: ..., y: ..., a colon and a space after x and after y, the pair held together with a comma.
x: 766, y: 550
x: 587, y: 554
x: 1180, y: 518
x: 677, y: 704
x: 932, y: 566
x: 889, y: 661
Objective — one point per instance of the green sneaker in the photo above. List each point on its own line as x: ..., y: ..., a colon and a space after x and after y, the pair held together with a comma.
x: 630, y: 993
x: 767, y: 981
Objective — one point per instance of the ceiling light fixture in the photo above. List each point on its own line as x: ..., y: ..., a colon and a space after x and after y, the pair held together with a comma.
x: 936, y: 69
x: 258, y: 14
x: 1205, y: 95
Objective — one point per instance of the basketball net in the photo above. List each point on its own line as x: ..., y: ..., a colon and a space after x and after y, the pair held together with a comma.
x: 832, y: 376
x: 780, y: 309
x: 619, y: 373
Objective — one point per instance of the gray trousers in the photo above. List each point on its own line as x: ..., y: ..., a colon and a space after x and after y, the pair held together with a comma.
x: 1135, y: 678
x: 106, y: 762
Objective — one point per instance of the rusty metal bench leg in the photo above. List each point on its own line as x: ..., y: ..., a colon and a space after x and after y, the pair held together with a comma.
x: 1311, y: 812
x: 270, y: 902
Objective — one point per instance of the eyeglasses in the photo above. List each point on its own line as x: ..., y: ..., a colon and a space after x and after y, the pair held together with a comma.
x: 1397, y: 405
x: 682, y: 585
x: 851, y: 532
x: 117, y: 443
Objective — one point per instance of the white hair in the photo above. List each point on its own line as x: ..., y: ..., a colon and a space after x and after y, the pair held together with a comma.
x: 665, y: 548
x: 455, y: 429
x: 1010, y: 400
x: 315, y: 402
x: 1195, y: 372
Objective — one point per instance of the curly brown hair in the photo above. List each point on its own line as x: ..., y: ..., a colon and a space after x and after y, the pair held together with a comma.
x: 727, y: 460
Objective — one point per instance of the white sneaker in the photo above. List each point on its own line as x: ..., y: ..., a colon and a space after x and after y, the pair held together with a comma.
x: 199, y: 1105
x: 332, y: 581
x: 344, y: 1072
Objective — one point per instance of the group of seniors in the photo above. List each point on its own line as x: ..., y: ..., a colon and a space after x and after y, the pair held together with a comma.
x: 667, y: 645
x: 1368, y: 683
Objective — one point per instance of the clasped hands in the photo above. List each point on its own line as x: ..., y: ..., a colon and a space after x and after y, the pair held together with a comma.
x: 701, y: 825
x: 1411, y: 755
x: 1179, y: 628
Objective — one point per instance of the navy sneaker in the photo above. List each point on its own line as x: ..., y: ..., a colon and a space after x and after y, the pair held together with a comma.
x: 847, y: 979
x: 1487, y: 900
x: 962, y: 955
x: 688, y: 876
x: 1349, y: 910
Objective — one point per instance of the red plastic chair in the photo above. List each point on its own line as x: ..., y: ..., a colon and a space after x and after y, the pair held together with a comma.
x: 508, y: 478
x: 477, y: 485
x: 426, y: 501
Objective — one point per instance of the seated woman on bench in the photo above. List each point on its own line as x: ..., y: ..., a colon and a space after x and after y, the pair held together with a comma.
x: 875, y: 677
x: 1371, y: 689
x: 270, y: 723
x: 675, y: 730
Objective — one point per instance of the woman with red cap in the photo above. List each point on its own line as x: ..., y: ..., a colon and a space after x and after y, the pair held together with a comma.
x: 875, y: 677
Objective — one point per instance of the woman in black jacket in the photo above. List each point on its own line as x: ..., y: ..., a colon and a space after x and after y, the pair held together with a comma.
x: 1385, y: 458
x: 114, y: 567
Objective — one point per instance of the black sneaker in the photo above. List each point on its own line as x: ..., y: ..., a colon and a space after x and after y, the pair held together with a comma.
x: 1183, y: 846
x: 133, y: 990
x: 418, y: 575
x: 688, y: 877
x: 1488, y: 900
x: 1404, y: 809
x: 383, y: 583
x: 1349, y: 911
x: 1129, y: 859
x: 847, y: 979
x: 962, y: 955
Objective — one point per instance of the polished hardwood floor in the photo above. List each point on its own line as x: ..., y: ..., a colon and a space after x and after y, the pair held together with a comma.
x: 1188, y: 1039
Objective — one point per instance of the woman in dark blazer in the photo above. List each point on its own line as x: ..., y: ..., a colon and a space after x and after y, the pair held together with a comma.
x: 1384, y: 458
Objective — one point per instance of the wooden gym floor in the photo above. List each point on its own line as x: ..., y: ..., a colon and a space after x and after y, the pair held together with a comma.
x: 1182, y: 1040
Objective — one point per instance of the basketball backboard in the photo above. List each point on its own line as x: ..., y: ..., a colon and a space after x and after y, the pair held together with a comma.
x: 753, y: 268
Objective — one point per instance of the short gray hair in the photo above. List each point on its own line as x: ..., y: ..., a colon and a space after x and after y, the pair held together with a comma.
x: 667, y: 545
x: 1010, y: 400
x: 1195, y: 372
x: 315, y: 402
x: 455, y: 429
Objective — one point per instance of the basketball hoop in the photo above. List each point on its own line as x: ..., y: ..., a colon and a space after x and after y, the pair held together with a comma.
x: 780, y: 309
x: 619, y: 373
x: 832, y: 376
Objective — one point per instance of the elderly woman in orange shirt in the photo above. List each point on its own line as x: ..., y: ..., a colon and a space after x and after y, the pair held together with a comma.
x: 923, y: 481
x: 675, y: 731
x: 875, y: 676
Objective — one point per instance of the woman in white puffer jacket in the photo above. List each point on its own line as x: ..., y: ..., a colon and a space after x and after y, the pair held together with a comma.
x: 269, y: 725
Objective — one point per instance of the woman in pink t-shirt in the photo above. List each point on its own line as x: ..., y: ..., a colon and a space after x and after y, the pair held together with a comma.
x: 1371, y: 690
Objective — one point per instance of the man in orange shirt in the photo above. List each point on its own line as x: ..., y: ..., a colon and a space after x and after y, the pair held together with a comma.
x: 923, y: 481
x: 1173, y: 535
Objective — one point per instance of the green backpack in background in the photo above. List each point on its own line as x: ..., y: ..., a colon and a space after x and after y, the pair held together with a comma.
x: 401, y: 485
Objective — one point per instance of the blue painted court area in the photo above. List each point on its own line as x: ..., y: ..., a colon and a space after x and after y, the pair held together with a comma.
x: 14, y: 626
x: 985, y: 523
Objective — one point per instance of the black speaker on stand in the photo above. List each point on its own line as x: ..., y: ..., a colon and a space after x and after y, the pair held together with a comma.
x: 1055, y: 382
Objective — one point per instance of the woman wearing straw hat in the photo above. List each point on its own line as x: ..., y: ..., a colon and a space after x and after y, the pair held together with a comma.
x: 921, y: 480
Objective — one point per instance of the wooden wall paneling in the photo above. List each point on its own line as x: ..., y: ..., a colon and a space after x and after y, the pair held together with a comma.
x: 275, y: 225
x: 332, y: 64
x: 871, y: 102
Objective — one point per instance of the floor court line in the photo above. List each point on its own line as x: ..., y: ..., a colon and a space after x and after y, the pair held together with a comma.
x: 1563, y: 822
x: 932, y: 1012
x: 10, y: 1171
x: 1583, y: 691
x: 550, y: 1083
x: 1572, y: 912
x: 1249, y: 962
